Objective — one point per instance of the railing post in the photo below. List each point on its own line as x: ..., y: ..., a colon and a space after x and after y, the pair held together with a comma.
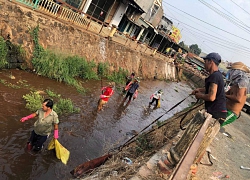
x: 35, y: 5
x: 101, y: 29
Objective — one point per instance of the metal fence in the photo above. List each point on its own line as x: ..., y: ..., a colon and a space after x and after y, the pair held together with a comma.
x: 70, y: 14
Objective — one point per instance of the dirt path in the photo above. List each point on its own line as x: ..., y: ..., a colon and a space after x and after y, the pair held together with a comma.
x: 229, y: 153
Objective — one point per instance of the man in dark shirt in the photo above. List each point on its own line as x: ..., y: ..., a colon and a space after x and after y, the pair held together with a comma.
x: 213, y: 94
x: 132, y: 89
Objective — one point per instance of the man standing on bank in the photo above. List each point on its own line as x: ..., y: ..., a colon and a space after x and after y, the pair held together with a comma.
x: 213, y: 94
x: 43, y: 126
x: 237, y: 94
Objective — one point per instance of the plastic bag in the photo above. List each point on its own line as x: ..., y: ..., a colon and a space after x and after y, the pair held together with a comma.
x: 128, y: 86
x: 151, y: 96
x: 61, y: 152
x: 135, y: 95
x: 159, y: 103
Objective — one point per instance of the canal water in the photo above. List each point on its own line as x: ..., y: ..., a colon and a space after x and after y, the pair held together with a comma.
x: 87, y: 135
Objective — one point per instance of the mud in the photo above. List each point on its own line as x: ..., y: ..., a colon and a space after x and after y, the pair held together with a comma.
x: 86, y: 135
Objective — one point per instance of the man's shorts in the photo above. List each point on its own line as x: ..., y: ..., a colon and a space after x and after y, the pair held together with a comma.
x: 231, y: 117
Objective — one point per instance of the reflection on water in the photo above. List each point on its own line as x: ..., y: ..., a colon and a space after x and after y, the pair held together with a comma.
x: 86, y: 135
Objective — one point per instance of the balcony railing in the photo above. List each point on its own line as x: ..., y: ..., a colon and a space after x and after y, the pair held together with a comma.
x: 65, y: 12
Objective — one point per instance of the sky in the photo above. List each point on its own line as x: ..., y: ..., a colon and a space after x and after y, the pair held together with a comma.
x: 220, y: 26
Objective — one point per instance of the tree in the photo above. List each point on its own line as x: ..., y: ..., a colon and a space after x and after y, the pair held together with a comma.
x: 182, y: 44
x: 195, y: 49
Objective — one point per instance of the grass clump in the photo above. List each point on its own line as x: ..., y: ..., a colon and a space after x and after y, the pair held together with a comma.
x: 68, y: 68
x: 33, y: 101
x: 118, y: 77
x: 65, y: 106
x: 102, y: 69
x: 61, y: 106
x: 143, y: 144
x: 60, y: 67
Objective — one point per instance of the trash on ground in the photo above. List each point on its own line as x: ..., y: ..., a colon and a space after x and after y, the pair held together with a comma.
x: 127, y: 160
x: 246, y: 168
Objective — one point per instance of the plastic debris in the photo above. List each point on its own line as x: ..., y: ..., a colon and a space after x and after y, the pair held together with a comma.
x: 114, y: 173
x: 127, y: 160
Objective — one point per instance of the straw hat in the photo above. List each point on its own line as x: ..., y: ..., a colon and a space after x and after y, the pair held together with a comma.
x: 239, y: 65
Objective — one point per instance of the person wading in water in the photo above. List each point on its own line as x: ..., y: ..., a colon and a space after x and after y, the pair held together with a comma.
x: 132, y: 89
x: 47, y: 118
x: 107, y: 92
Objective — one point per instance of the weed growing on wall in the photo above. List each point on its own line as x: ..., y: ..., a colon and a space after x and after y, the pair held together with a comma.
x: 3, y: 53
x: 60, y: 67
x: 118, y: 77
x: 67, y: 68
x: 102, y: 69
x: 61, y: 106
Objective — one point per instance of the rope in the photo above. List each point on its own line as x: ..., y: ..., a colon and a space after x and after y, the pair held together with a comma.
x: 129, y: 141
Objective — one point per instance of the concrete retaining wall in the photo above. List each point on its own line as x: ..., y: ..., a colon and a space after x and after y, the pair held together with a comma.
x: 16, y: 23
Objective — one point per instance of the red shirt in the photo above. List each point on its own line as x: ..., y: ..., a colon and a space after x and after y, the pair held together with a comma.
x: 108, y: 91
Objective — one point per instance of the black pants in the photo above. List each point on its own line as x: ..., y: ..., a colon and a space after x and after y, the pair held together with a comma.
x: 37, y: 140
x: 130, y: 95
x: 154, y: 99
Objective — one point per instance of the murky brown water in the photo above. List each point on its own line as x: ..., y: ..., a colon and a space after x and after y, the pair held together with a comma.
x: 86, y: 135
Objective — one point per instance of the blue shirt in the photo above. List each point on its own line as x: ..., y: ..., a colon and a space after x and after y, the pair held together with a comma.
x: 133, y: 88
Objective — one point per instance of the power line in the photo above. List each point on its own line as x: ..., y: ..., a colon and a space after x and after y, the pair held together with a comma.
x: 205, y: 34
x: 246, y: 48
x: 230, y: 19
x: 238, y: 48
x: 225, y: 46
x: 208, y: 23
x: 240, y: 7
x: 231, y: 14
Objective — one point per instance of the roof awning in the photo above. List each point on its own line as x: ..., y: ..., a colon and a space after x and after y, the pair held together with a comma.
x: 141, y: 22
x: 165, y: 35
x: 133, y: 3
x: 150, y: 25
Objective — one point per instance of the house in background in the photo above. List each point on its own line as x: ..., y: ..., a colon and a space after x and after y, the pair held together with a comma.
x: 139, y: 19
x: 164, y: 30
x: 112, y: 12
x: 150, y: 20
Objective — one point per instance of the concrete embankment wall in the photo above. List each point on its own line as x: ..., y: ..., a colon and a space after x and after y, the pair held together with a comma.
x: 17, y: 22
x: 197, y: 81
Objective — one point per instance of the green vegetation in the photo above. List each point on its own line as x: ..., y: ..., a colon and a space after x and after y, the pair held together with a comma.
x: 118, y: 77
x: 8, y: 84
x: 102, y: 69
x: 194, y: 48
x: 65, y: 106
x: 8, y: 52
x: 143, y: 144
x: 61, y: 106
x: 33, y: 101
x: 68, y: 68
x: 3, y: 53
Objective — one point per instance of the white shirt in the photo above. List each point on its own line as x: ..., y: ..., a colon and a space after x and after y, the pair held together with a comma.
x: 157, y: 95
